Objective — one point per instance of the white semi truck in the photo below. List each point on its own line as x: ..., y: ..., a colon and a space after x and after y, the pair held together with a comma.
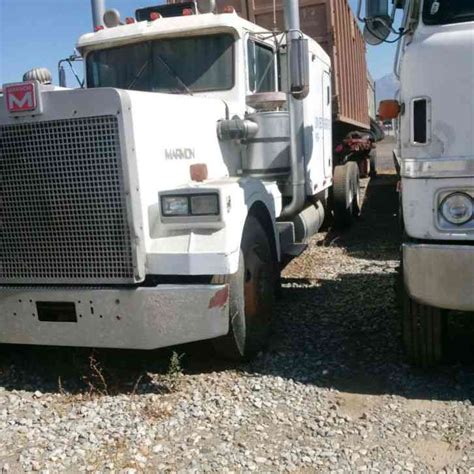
x: 435, y: 155
x: 154, y: 206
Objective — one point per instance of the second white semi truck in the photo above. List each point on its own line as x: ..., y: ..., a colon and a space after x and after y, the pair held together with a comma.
x: 435, y: 155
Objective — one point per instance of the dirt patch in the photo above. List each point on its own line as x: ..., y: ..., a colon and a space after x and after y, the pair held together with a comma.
x: 356, y: 405
x: 424, y: 405
x: 436, y: 454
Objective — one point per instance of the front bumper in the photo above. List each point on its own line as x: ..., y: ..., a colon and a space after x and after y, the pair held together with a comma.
x: 440, y: 275
x: 141, y: 318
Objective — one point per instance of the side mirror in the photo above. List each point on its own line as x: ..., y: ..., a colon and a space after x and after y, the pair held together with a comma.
x: 299, y: 68
x: 389, y: 109
x: 378, y: 21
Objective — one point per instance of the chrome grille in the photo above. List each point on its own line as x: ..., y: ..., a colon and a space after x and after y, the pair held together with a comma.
x: 63, y: 215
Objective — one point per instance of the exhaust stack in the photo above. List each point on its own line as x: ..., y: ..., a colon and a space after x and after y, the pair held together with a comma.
x: 98, y: 10
x: 295, y: 108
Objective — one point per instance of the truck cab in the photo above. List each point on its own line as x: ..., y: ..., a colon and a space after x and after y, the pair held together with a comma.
x: 435, y: 149
x: 155, y: 206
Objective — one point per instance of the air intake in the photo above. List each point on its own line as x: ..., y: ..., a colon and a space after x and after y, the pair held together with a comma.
x: 63, y: 215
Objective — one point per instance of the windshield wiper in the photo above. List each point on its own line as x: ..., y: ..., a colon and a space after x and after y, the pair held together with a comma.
x: 168, y: 67
x: 138, y: 75
x: 173, y: 73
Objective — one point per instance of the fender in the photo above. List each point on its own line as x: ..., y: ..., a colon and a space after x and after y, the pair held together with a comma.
x: 210, y: 247
x: 269, y: 196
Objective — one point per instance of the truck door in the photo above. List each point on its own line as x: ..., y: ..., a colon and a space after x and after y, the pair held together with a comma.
x: 327, y: 124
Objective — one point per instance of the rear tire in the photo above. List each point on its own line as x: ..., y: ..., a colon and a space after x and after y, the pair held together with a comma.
x: 346, y: 194
x: 251, y: 296
x: 373, y: 164
x: 422, y: 332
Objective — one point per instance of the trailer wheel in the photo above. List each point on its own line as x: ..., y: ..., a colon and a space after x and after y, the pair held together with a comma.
x: 373, y: 164
x: 346, y: 194
x: 251, y: 299
x: 423, y: 328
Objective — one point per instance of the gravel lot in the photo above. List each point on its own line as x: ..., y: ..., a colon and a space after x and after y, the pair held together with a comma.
x: 332, y: 393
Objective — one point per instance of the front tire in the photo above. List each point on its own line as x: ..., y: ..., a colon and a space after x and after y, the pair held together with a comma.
x: 251, y: 297
x: 422, y: 332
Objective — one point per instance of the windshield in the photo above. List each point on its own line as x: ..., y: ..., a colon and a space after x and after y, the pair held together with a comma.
x: 442, y: 12
x: 174, y: 65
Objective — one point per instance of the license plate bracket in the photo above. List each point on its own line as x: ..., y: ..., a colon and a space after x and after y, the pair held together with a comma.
x: 56, y: 311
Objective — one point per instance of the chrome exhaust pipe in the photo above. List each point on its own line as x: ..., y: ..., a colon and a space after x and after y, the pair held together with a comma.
x: 98, y: 10
x: 295, y: 109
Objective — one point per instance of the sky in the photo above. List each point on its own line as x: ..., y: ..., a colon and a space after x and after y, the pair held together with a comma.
x: 37, y: 33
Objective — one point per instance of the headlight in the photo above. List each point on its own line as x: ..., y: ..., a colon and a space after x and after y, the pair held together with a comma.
x: 205, y: 204
x: 175, y: 205
x: 457, y: 208
x: 190, y: 205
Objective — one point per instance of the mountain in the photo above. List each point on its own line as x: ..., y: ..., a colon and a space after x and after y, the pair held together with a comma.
x: 386, y: 87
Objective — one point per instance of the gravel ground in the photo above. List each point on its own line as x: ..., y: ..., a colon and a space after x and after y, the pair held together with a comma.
x: 332, y: 393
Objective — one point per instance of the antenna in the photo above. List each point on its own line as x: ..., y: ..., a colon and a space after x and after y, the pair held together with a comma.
x: 274, y: 16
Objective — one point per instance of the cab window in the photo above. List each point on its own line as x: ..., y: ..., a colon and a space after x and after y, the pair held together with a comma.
x: 261, y: 67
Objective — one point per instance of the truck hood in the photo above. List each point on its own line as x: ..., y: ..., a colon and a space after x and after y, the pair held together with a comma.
x: 96, y: 144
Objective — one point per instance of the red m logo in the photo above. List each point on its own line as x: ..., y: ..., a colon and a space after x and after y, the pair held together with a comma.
x: 20, y: 97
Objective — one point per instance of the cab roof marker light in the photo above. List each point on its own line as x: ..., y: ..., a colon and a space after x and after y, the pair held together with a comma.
x: 228, y: 9
x: 99, y: 28
x: 187, y: 12
x: 129, y: 20
x: 154, y: 16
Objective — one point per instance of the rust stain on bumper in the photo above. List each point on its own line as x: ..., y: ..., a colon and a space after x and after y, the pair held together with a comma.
x: 220, y: 298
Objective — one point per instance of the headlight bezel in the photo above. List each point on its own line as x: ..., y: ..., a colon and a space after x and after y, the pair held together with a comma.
x: 449, y: 219
x: 212, y: 214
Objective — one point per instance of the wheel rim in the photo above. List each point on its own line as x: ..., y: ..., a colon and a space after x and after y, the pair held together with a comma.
x: 257, y: 287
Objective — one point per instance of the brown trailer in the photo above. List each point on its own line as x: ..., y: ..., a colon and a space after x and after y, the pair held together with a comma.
x: 332, y: 24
